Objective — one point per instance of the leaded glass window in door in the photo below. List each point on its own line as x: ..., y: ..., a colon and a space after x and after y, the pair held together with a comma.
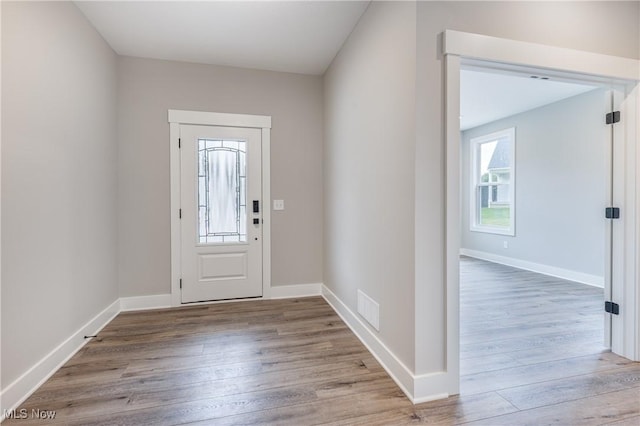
x: 222, y: 199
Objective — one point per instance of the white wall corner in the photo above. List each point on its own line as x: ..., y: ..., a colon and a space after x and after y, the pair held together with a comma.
x: 295, y: 290
x: 18, y: 391
x: 426, y: 387
x: 141, y: 303
x: 565, y: 274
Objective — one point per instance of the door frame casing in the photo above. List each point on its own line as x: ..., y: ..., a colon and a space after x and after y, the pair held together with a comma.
x: 262, y: 122
x: 459, y: 46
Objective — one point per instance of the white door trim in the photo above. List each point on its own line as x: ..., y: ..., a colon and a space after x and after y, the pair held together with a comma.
x: 263, y: 122
x: 505, y: 51
x: 219, y: 119
x: 458, y: 47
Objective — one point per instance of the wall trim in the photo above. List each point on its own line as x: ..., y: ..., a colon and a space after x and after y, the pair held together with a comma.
x: 141, y: 303
x: 18, y: 391
x: 219, y: 119
x: 494, y: 49
x: 565, y: 274
x: 163, y: 301
x: 295, y: 290
x: 396, y: 369
x: 418, y: 389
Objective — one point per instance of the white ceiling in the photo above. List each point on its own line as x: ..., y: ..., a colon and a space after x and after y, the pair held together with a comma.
x: 290, y: 36
x: 490, y: 96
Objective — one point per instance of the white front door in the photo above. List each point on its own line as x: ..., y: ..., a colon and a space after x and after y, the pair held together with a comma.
x: 221, y: 212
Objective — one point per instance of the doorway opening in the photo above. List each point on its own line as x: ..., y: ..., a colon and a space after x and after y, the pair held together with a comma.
x: 535, y: 178
x: 465, y: 48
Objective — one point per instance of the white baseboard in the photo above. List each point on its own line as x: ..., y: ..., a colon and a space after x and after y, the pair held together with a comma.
x: 296, y: 290
x: 18, y: 391
x: 429, y: 387
x: 161, y: 301
x: 417, y: 388
x: 141, y: 303
x: 566, y: 274
x: 422, y: 388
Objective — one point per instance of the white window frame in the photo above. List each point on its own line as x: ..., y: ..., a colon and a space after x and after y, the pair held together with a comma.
x: 474, y: 212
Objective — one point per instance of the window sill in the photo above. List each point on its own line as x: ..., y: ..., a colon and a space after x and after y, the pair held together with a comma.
x: 493, y: 230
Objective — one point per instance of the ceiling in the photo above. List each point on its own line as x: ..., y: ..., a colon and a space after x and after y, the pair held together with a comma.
x: 490, y: 96
x: 289, y: 36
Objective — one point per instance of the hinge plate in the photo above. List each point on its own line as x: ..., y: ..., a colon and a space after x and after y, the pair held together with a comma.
x: 612, y: 213
x: 179, y: 213
x: 179, y: 143
x: 612, y: 308
x: 180, y: 282
x: 612, y: 117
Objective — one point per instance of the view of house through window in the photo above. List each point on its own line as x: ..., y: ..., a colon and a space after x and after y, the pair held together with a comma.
x: 493, y: 182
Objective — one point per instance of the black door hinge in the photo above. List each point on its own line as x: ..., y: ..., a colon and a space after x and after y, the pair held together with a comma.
x: 180, y: 142
x: 180, y: 214
x: 180, y: 282
x: 612, y: 308
x: 612, y: 117
x: 612, y: 213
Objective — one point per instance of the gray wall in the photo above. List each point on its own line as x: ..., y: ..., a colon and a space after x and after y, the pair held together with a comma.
x: 384, y: 215
x: 146, y: 90
x: 368, y: 170
x: 384, y: 149
x: 601, y: 27
x: 58, y: 179
x: 560, y: 186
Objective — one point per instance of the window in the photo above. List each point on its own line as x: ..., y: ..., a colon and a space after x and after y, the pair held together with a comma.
x: 493, y: 183
x: 222, y: 199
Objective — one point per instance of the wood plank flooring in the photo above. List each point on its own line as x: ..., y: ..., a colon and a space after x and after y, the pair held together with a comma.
x: 531, y: 354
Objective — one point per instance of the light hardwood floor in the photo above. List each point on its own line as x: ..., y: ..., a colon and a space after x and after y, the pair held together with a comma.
x: 531, y: 354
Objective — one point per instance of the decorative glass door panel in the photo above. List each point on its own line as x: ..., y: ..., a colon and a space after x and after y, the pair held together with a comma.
x: 222, y: 195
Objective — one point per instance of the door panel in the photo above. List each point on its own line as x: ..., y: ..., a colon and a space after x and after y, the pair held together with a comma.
x: 223, y: 266
x: 221, y: 234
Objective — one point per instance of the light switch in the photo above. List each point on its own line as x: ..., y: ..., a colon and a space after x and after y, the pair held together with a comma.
x: 278, y: 204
